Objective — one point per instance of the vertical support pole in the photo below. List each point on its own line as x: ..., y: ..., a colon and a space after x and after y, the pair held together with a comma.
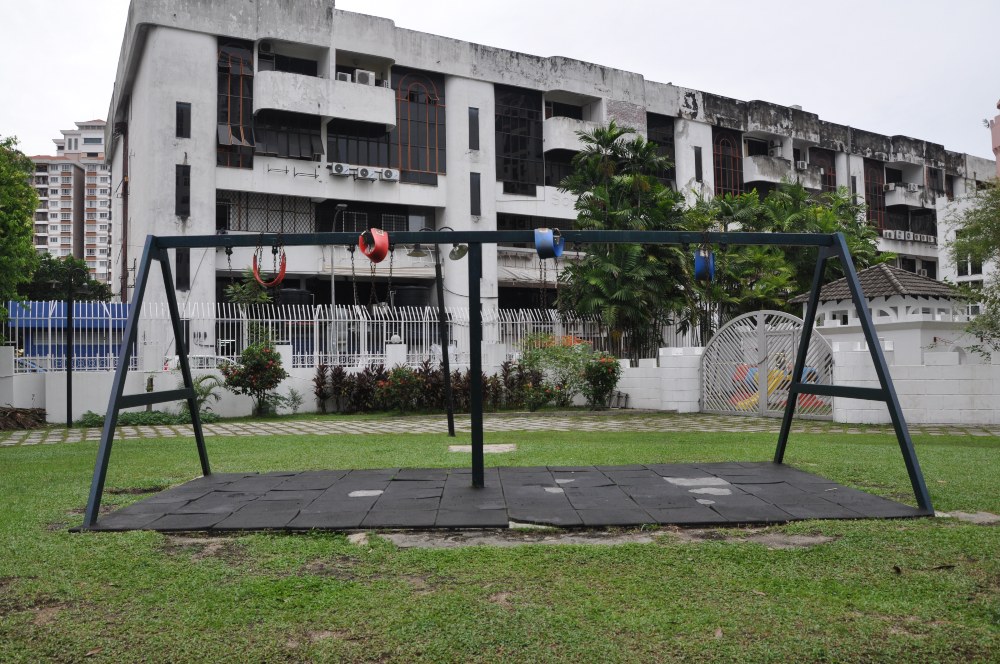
x: 825, y: 253
x: 118, y: 387
x: 182, y: 357
x: 70, y: 339
x: 449, y: 398
x: 884, y: 379
x: 476, y: 361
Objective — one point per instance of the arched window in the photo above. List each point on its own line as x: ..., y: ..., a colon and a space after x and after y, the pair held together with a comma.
x: 419, y: 137
x: 825, y: 160
x: 728, y: 161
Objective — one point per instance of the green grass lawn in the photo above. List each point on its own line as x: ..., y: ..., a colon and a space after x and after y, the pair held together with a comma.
x: 909, y: 590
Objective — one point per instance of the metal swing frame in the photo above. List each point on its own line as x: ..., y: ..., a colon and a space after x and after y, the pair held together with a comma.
x: 830, y: 246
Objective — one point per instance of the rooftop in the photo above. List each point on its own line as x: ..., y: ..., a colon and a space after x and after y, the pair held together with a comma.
x: 883, y: 280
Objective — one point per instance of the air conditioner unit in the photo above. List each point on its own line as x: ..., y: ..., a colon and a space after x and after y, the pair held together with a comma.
x: 343, y: 170
x: 822, y: 171
x: 265, y: 47
x: 909, y: 236
x: 801, y: 165
x: 922, y: 273
x: 365, y: 173
x: 385, y: 83
x: 889, y: 186
x: 911, y: 186
x: 390, y: 175
x: 889, y: 235
x: 774, y: 143
x: 774, y: 152
x: 364, y: 77
x: 933, y: 239
x: 344, y: 76
x: 882, y: 156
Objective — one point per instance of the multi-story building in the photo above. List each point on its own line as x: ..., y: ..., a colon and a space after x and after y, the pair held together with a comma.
x: 230, y: 117
x: 74, y: 193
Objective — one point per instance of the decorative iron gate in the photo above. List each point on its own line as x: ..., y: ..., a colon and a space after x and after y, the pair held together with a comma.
x: 747, y: 367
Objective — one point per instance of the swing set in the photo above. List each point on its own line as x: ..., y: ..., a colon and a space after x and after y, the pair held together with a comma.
x: 549, y: 243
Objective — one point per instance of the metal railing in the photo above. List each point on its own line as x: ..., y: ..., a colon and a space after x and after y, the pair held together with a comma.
x: 349, y: 336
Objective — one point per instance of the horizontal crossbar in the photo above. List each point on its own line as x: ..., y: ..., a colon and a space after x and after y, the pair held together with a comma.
x: 149, y: 398
x: 494, y: 237
x: 869, y: 393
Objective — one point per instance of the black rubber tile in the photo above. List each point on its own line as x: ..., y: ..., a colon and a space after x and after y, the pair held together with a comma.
x: 422, y: 474
x: 217, y: 479
x: 217, y: 502
x: 147, y: 507
x: 662, y: 501
x: 305, y: 495
x: 310, y: 481
x: 373, y: 474
x: 818, y: 510
x: 571, y: 469
x: 280, y: 473
x: 400, y: 518
x: 174, y: 522
x: 257, y: 520
x: 696, y: 515
x: 565, y: 518
x: 327, y: 520
x: 677, y: 470
x: 414, y: 504
x: 599, y: 498
x: 395, y: 493
x: 258, y: 484
x: 523, y: 470
x: 121, y: 521
x: 180, y: 493
x: 752, y: 513
x: 775, y: 491
x: 481, y: 518
x: 592, y: 479
x: 626, y: 516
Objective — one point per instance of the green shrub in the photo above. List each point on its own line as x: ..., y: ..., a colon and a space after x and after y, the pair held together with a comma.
x: 145, y: 418
x: 561, y: 361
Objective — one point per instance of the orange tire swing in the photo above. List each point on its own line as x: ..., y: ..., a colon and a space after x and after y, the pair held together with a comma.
x: 278, y: 265
x: 374, y: 243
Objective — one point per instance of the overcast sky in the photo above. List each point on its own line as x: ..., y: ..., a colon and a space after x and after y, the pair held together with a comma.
x: 923, y: 68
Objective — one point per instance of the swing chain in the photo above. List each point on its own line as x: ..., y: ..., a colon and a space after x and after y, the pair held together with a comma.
x: 354, y: 277
x: 229, y: 258
x: 388, y: 292
x: 372, y: 295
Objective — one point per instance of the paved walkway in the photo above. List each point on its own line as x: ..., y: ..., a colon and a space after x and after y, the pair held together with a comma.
x: 632, y: 421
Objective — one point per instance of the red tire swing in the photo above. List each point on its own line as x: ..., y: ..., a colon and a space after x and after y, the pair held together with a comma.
x: 278, y: 265
x: 374, y: 243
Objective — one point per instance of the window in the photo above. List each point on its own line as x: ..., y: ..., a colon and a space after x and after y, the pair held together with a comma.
x: 92, y: 179
x: 65, y: 168
x: 660, y: 130
x: 65, y: 216
x: 264, y: 213
x: 65, y: 228
x: 91, y: 168
x: 182, y: 190
x: 354, y: 222
x: 66, y: 192
x: 54, y: 228
x: 92, y: 192
x: 67, y: 180
x: 182, y: 277
x: 102, y: 227
x: 728, y: 161
x: 270, y: 61
x: 104, y: 179
x: 235, y: 103
x: 473, y: 128
x: 875, y: 194
x: 183, y: 117
x: 104, y: 192
x: 65, y: 240
x: 289, y: 135
x: 475, y: 206
x: 91, y: 252
x: 554, y: 109
x: 698, y: 174
x: 53, y: 240
x: 91, y: 216
x: 102, y: 215
x: 95, y: 140
x: 416, y: 146
x: 558, y: 165
x: 826, y: 160
x: 519, y: 150
x: 395, y: 223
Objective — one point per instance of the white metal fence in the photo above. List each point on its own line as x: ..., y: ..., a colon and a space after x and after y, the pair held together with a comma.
x: 335, y: 335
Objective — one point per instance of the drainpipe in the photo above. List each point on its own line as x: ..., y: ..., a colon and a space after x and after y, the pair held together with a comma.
x: 121, y: 128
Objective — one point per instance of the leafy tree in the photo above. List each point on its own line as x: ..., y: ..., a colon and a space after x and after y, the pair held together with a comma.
x: 18, y: 201
x: 54, y: 277
x: 247, y: 291
x: 632, y: 289
x: 977, y: 237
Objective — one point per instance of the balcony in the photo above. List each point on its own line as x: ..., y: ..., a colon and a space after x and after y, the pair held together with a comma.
x: 810, y: 177
x: 559, y: 133
x: 759, y: 168
x: 321, y: 96
x: 902, y: 193
x: 519, y: 266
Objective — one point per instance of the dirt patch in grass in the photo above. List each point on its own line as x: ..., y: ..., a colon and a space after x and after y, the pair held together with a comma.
x: 453, y: 539
x: 770, y: 539
x: 47, y: 614
x: 134, y: 491
x: 338, y: 567
x: 501, y: 599
x: 199, y: 547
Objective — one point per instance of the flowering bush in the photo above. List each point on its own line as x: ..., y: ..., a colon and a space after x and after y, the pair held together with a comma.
x: 401, y: 389
x: 257, y: 373
x: 601, y: 376
x: 560, y: 360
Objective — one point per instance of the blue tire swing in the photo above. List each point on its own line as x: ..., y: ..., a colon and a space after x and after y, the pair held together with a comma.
x: 704, y: 264
x: 549, y: 243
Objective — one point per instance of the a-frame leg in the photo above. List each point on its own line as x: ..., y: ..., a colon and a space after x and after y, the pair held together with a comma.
x: 825, y: 253
x: 182, y: 359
